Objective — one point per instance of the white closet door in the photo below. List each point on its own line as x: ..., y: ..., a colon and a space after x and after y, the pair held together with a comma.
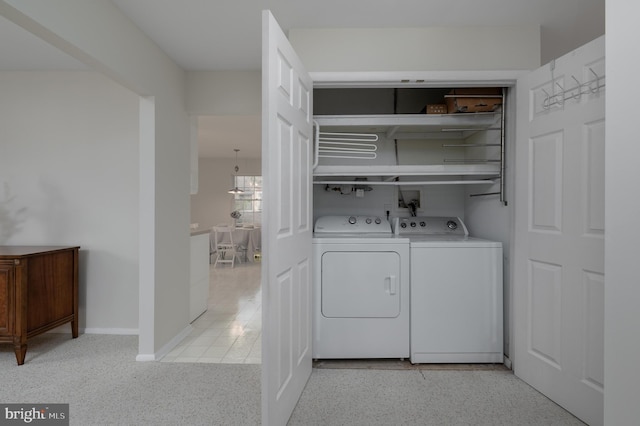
x: 559, y: 238
x: 287, y: 224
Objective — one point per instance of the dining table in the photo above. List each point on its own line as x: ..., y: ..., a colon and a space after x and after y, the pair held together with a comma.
x: 248, y: 237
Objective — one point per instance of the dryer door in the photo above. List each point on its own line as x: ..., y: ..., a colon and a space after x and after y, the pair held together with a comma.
x: 362, y: 284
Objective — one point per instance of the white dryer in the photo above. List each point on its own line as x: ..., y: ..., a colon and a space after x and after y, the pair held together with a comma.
x: 361, y: 289
x: 456, y: 292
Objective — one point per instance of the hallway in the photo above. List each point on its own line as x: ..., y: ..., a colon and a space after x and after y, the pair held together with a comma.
x: 230, y: 330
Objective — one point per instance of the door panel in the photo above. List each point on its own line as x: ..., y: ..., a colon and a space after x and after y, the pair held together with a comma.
x: 546, y: 183
x: 559, y: 232
x: 594, y: 175
x: 287, y: 230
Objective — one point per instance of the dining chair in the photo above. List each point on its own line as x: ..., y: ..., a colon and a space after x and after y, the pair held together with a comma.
x: 213, y: 242
x: 226, y: 249
x: 241, y: 249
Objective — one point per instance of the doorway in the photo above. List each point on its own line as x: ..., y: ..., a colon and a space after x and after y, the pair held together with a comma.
x: 230, y: 330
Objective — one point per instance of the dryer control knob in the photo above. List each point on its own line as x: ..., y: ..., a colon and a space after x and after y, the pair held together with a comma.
x: 423, y: 224
x: 452, y: 225
x: 378, y: 221
x: 403, y: 225
x: 368, y: 220
x: 413, y: 224
x: 352, y: 220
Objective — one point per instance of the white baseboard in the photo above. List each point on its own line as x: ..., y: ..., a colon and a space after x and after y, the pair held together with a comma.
x: 507, y: 362
x: 66, y: 329
x: 166, y: 348
x: 118, y: 331
x: 144, y: 358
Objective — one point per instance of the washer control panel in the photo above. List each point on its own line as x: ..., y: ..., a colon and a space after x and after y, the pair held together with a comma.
x: 353, y: 224
x: 430, y: 225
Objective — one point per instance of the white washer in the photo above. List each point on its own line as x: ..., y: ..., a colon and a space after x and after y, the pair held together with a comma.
x: 361, y: 289
x: 456, y: 292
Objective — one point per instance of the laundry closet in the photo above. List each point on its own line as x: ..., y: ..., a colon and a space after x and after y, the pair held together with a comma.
x: 538, y: 192
x: 434, y: 154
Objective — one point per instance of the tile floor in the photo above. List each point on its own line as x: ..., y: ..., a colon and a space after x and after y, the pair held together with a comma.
x: 230, y: 330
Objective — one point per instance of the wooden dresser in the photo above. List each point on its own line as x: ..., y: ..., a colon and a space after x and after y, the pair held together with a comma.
x: 38, y: 292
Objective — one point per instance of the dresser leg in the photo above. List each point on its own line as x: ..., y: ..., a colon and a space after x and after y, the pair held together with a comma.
x: 20, y: 348
x: 74, y: 327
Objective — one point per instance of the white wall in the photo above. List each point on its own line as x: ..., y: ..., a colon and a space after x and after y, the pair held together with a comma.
x: 224, y: 92
x: 69, y: 156
x: 446, y: 200
x: 622, y: 285
x: 99, y: 35
x: 587, y: 24
x: 417, y: 49
x: 212, y: 204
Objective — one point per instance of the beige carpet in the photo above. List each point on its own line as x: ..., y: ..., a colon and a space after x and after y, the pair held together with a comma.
x: 98, y: 377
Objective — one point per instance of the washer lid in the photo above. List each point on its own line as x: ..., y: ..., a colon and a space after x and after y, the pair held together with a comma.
x: 443, y: 241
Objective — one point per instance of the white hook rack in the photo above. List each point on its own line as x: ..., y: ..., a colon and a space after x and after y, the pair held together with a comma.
x: 592, y: 86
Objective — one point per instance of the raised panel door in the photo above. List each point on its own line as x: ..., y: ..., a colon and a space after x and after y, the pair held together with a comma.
x: 287, y: 225
x: 559, y: 231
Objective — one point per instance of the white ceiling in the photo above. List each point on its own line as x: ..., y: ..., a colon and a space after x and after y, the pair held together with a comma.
x: 225, y: 35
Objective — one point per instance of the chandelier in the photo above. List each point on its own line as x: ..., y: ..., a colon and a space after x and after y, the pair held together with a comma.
x: 235, y: 189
